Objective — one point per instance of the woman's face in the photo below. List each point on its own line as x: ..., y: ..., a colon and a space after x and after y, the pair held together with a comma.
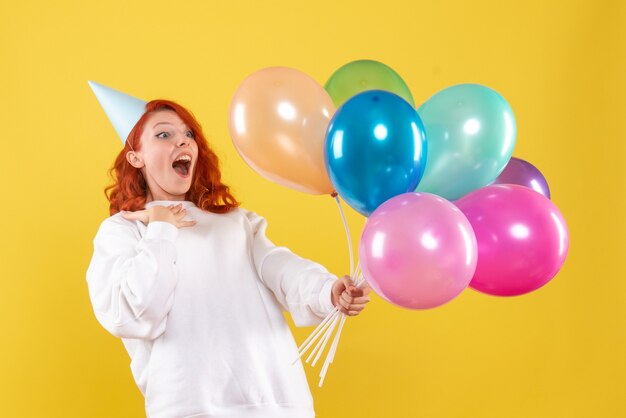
x: 164, y: 140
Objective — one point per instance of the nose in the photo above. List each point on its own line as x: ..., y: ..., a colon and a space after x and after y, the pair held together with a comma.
x: 183, y: 140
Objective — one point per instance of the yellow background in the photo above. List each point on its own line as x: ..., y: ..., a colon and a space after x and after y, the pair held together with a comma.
x: 557, y: 352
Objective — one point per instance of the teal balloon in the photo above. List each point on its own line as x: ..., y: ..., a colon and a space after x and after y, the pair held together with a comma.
x: 471, y: 134
x: 375, y: 149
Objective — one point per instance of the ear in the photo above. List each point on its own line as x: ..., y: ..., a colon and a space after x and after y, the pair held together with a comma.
x: 134, y: 159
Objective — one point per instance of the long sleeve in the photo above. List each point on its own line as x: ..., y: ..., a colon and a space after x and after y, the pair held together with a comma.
x: 131, y: 279
x: 301, y: 286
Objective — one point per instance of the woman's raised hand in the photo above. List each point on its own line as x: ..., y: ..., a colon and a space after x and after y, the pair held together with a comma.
x: 173, y: 214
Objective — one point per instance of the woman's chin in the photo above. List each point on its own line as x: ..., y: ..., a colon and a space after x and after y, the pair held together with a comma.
x: 182, y: 192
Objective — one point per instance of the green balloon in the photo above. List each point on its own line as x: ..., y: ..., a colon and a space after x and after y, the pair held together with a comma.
x: 470, y: 132
x: 358, y: 76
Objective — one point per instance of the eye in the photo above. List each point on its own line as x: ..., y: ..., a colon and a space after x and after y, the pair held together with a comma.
x: 190, y: 134
x: 162, y: 133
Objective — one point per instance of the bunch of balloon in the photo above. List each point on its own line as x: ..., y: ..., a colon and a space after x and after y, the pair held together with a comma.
x: 446, y: 205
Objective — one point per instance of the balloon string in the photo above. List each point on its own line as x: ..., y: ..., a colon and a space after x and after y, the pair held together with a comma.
x: 345, y: 224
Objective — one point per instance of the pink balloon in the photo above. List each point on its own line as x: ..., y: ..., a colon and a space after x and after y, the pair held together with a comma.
x: 418, y: 251
x: 522, y: 238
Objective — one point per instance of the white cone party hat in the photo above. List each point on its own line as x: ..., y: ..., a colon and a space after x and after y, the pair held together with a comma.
x: 123, y: 110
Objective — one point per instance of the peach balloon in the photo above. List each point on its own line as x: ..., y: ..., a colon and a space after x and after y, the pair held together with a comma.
x: 277, y: 120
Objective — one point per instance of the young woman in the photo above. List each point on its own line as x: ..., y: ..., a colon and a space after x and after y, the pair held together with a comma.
x: 194, y: 288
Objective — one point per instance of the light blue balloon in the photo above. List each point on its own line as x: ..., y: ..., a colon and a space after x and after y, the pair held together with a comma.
x: 375, y: 149
x: 471, y: 135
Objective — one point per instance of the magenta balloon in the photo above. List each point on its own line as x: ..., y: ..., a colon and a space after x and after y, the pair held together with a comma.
x: 522, y: 238
x: 521, y: 172
x: 418, y: 251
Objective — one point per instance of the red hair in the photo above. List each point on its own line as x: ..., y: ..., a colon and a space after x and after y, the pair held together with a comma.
x: 129, y: 188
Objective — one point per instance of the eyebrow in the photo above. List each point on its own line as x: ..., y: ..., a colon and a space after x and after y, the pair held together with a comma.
x: 163, y: 123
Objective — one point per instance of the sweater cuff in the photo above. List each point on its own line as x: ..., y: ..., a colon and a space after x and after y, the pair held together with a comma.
x: 161, y: 230
x: 325, y: 297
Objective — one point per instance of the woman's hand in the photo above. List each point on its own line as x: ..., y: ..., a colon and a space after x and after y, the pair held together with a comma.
x: 348, y: 298
x: 173, y: 214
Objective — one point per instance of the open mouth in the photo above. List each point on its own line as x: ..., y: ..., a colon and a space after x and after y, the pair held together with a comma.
x: 182, y: 167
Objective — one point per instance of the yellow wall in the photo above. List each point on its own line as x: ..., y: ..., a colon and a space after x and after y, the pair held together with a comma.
x: 557, y: 352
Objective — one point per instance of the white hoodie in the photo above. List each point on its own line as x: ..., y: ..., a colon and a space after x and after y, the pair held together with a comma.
x: 199, y: 310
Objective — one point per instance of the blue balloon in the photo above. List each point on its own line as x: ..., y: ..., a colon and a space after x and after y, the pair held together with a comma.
x: 375, y: 149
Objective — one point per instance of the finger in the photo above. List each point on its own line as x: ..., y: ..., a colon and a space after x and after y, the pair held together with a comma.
x: 338, y: 288
x: 180, y: 214
x: 186, y: 224
x: 351, y: 299
x: 341, y: 308
x: 346, y: 297
x: 347, y: 281
x: 345, y: 305
x: 355, y: 292
x: 361, y: 300
x: 356, y: 307
x: 366, y: 289
x: 352, y: 306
